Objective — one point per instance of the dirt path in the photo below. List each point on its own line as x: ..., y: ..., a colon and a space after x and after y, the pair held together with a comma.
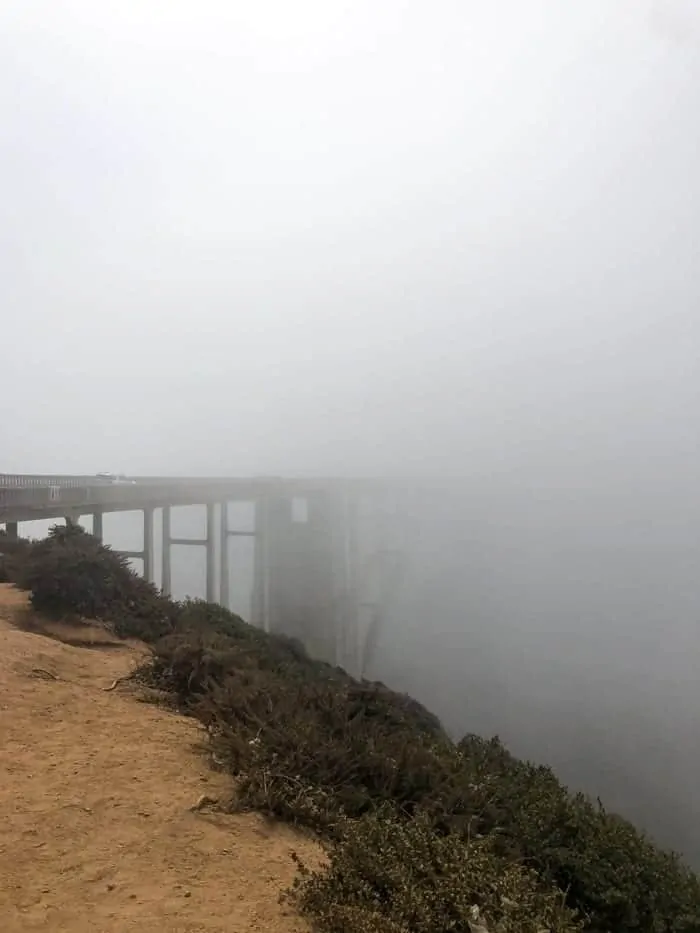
x: 96, y: 833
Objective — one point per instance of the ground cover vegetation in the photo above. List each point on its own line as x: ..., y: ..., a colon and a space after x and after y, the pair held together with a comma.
x: 423, y: 835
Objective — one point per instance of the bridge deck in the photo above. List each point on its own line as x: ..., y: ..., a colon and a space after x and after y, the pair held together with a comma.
x: 34, y: 497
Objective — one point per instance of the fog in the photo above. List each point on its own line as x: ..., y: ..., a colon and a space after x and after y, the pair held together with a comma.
x: 458, y: 239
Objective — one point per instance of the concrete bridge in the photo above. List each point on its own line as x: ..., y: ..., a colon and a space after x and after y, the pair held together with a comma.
x: 324, y: 564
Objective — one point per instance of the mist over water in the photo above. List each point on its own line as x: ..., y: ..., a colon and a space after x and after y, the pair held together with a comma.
x: 456, y: 240
x: 564, y: 644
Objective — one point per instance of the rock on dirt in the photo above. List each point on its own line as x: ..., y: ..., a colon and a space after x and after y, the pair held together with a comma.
x: 99, y: 828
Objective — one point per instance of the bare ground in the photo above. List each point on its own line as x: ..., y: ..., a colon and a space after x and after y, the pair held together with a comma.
x: 96, y: 830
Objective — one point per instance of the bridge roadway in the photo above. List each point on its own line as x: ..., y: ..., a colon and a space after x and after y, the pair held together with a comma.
x: 32, y: 497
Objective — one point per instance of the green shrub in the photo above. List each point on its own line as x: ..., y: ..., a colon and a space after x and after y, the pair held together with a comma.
x: 610, y: 870
x: 317, y: 750
x: 70, y: 573
x: 396, y: 876
x: 13, y: 551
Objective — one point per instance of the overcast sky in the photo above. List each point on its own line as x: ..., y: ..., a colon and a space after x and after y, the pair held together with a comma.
x: 334, y: 237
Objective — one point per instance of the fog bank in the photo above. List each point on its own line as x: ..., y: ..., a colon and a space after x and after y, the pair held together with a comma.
x: 459, y: 240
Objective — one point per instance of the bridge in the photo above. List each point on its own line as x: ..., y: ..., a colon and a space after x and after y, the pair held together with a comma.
x: 323, y: 561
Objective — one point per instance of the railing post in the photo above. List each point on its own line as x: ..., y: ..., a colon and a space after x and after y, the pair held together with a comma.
x: 11, y: 530
x: 166, y: 582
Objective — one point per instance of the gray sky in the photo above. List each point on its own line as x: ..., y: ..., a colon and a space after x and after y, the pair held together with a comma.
x: 346, y: 237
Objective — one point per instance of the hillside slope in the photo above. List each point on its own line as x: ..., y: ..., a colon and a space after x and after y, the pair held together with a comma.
x: 95, y: 798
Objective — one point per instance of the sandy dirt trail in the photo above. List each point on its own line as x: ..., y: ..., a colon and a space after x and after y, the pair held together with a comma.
x: 96, y: 831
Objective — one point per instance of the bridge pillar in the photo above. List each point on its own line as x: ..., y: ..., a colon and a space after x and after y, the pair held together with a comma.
x: 97, y: 525
x: 300, y: 562
x: 260, y: 608
x: 224, y: 582
x: 148, y: 548
x: 166, y: 581
x: 11, y: 530
x: 211, y: 553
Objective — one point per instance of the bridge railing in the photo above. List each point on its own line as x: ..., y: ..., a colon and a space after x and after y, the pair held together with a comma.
x: 24, y: 497
x: 43, y: 497
x: 44, y: 481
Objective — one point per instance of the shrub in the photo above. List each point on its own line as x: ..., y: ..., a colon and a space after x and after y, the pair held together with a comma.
x: 315, y: 747
x: 71, y: 573
x: 390, y: 876
x: 12, y: 554
x: 610, y: 870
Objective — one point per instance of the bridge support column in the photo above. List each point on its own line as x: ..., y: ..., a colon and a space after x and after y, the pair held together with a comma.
x: 148, y: 549
x: 11, y: 530
x: 211, y: 553
x: 260, y: 608
x: 224, y: 582
x: 97, y: 525
x: 166, y: 582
